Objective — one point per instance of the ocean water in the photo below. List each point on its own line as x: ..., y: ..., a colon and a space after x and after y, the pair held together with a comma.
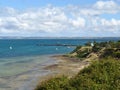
x: 22, y: 60
x: 30, y: 47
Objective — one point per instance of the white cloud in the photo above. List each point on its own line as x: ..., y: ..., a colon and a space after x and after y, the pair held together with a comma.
x: 105, y: 5
x: 112, y: 22
x: 57, y: 20
x: 79, y: 22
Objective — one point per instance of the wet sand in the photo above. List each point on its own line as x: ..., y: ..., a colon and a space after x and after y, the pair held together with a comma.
x: 53, y: 66
x: 24, y: 75
x: 65, y: 66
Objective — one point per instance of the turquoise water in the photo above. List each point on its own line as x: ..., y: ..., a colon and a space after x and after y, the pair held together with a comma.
x: 17, y: 73
x: 30, y: 47
x: 27, y: 59
x: 24, y: 47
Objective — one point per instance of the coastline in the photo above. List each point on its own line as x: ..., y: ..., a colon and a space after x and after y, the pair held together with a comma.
x: 67, y: 66
x: 28, y: 71
x: 53, y: 65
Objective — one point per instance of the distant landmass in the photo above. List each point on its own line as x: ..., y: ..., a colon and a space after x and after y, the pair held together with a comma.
x: 20, y: 37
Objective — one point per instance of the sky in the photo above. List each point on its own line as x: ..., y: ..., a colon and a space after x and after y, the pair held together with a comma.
x: 60, y: 18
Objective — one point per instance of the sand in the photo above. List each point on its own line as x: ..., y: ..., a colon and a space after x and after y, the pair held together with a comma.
x: 65, y: 66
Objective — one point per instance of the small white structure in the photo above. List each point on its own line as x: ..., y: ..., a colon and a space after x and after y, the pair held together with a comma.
x: 92, y: 44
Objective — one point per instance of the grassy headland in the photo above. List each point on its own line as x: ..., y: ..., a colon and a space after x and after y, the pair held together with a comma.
x: 102, y: 74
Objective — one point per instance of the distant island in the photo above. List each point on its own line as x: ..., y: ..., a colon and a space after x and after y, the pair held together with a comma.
x: 101, y: 71
x: 21, y: 37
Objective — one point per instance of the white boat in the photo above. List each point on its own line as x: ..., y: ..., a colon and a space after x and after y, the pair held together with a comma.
x: 10, y: 48
x: 68, y: 47
x: 56, y: 48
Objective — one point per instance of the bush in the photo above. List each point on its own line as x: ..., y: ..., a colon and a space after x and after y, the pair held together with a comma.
x: 116, y: 54
x: 57, y: 83
x: 83, y: 54
x: 100, y: 75
x: 96, y: 48
x: 107, y: 53
x: 117, y: 44
x: 76, y: 49
x: 88, y: 44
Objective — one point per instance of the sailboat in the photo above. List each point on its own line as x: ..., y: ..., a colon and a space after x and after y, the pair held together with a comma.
x: 10, y: 48
x: 68, y: 47
x: 56, y: 48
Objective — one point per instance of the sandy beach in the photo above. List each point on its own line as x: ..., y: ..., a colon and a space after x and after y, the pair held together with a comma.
x: 65, y: 66
x: 52, y: 66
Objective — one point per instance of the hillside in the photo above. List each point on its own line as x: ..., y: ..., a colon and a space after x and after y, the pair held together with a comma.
x: 98, y: 50
x: 102, y: 74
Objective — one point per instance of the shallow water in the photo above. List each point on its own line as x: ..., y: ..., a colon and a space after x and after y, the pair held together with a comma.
x: 19, y: 73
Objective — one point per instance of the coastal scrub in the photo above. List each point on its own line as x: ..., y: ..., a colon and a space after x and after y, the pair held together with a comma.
x: 101, y: 74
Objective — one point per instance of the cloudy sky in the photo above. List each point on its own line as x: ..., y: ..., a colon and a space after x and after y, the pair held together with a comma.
x: 60, y: 18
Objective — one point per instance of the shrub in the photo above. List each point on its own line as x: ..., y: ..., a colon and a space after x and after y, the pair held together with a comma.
x: 100, y: 75
x: 116, y: 54
x: 88, y: 44
x: 57, y: 83
x: 82, y: 54
x: 96, y: 48
x: 76, y: 49
x: 107, y: 53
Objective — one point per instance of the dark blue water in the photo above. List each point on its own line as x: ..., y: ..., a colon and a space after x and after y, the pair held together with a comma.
x: 26, y: 47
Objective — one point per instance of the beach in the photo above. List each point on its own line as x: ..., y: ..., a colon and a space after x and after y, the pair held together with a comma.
x: 67, y: 66
x: 19, y: 75
x: 24, y: 73
x: 55, y: 65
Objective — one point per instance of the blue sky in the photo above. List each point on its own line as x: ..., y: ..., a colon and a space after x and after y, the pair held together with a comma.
x: 60, y: 18
x: 22, y: 4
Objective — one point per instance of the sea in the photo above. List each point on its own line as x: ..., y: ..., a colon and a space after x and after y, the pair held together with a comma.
x: 22, y: 61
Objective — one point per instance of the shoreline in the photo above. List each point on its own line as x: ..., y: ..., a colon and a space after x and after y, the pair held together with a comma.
x: 64, y: 66
x: 55, y: 65
x: 28, y: 78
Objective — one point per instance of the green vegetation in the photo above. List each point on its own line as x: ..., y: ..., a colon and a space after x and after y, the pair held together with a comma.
x: 102, y: 49
x: 103, y: 74
x: 76, y: 49
x: 82, y: 54
x: 100, y: 75
x: 57, y: 83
